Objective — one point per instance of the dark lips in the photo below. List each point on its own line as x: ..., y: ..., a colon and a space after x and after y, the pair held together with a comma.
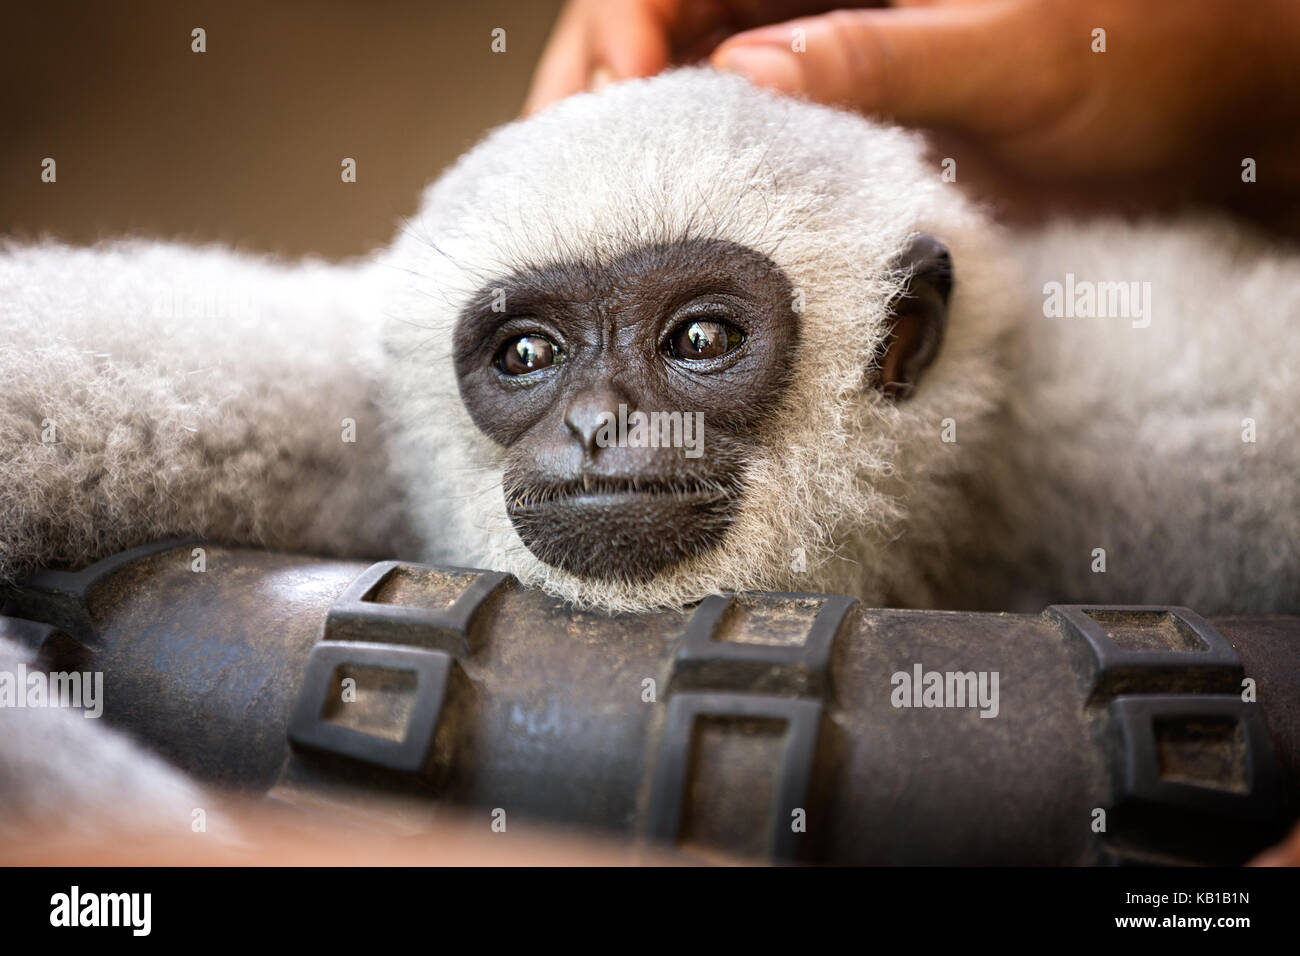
x: 621, y: 529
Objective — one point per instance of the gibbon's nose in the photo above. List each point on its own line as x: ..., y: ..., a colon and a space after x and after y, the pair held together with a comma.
x: 589, y: 410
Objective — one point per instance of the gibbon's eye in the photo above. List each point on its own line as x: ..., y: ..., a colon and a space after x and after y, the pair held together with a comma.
x: 704, y: 339
x: 525, y: 354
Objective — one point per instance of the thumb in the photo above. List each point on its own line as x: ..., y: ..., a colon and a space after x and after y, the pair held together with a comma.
x: 928, y: 66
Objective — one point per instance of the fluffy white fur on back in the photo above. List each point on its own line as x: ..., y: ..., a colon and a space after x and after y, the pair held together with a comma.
x: 151, y: 389
x: 1174, y: 447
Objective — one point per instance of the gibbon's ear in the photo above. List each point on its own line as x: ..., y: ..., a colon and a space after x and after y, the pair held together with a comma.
x: 919, y: 316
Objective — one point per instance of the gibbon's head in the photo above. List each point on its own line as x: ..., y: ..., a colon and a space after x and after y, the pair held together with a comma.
x: 685, y: 336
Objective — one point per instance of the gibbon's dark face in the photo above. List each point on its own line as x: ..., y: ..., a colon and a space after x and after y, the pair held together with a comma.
x: 556, y: 364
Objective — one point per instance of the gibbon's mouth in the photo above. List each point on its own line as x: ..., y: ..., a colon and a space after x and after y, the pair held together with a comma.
x: 604, y: 488
x: 621, y: 529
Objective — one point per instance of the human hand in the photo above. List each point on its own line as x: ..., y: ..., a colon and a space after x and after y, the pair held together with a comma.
x: 599, y: 41
x: 1022, y: 91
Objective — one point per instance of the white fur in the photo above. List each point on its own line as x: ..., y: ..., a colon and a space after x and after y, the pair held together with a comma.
x: 1130, y: 439
x: 190, y: 391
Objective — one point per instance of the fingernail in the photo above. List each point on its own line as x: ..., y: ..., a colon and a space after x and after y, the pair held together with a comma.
x: 767, y: 66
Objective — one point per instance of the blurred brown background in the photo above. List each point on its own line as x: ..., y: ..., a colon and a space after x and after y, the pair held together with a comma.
x: 242, y: 144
